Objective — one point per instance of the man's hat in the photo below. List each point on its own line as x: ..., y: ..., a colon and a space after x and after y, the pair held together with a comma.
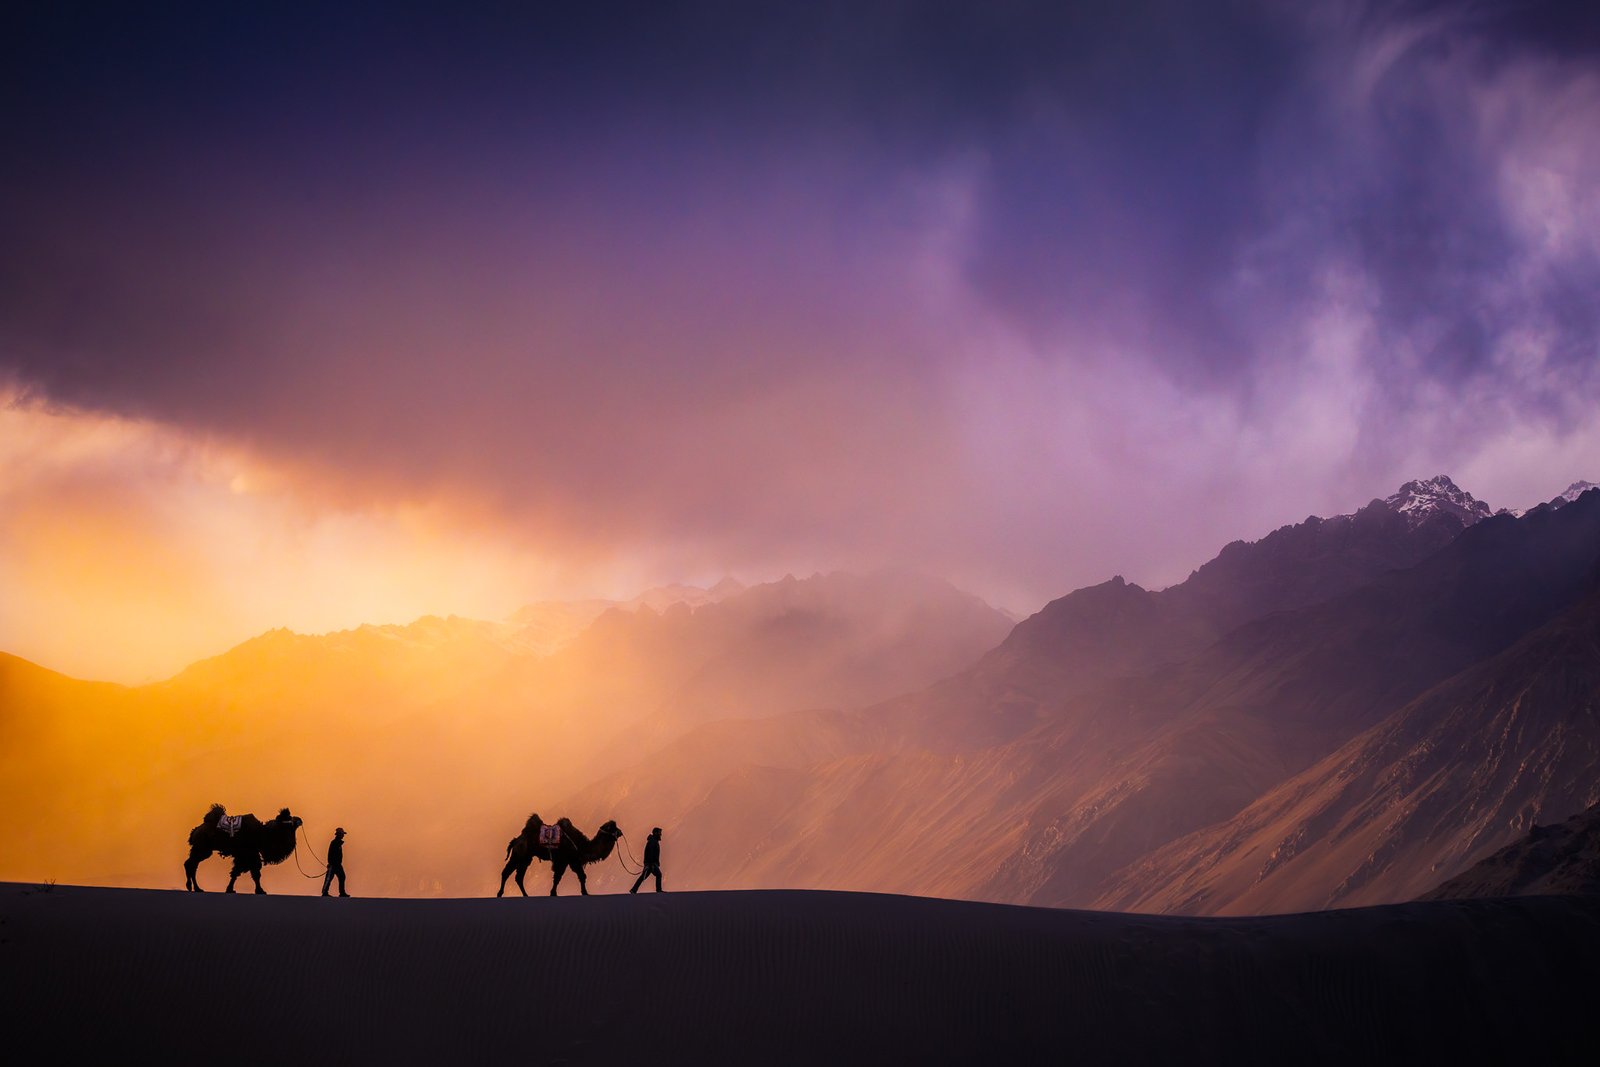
x: 339, y: 831
x: 657, y: 830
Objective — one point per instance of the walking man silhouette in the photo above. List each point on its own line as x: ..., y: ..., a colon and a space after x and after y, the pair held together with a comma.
x: 335, y: 863
x: 652, y: 861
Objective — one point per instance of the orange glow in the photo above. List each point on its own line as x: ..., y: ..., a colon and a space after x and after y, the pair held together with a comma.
x: 128, y: 550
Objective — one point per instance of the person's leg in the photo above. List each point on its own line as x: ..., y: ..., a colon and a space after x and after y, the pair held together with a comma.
x: 657, y: 872
x: 342, y: 893
x: 327, y: 880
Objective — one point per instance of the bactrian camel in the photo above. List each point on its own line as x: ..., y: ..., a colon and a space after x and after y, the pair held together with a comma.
x: 573, y: 850
x: 249, y: 841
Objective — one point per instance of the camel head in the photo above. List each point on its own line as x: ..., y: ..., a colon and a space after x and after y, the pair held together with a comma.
x: 609, y: 830
x: 278, y: 837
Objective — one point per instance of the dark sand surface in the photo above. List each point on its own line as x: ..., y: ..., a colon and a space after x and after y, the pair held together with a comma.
x: 790, y: 977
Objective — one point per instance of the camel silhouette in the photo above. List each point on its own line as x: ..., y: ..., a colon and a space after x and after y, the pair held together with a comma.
x: 250, y: 844
x: 574, y: 850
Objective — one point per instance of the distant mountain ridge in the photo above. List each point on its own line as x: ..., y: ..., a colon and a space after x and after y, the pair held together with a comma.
x: 1571, y: 494
x: 1117, y: 720
x: 658, y: 598
x: 419, y: 737
x: 1094, y: 635
x: 547, y: 625
x: 1347, y: 710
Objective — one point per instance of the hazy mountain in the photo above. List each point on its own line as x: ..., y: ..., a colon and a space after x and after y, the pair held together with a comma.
x: 1095, y: 635
x: 636, y: 679
x: 405, y: 665
x: 1348, y: 709
x: 663, y: 597
x: 547, y: 625
x: 1561, y: 500
x: 1196, y: 743
x: 434, y: 738
x: 1058, y: 760
x: 80, y: 764
x: 833, y: 640
x: 1571, y: 493
x: 1319, y: 559
x: 1557, y: 859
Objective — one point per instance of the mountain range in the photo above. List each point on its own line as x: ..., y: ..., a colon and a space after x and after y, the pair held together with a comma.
x: 1117, y: 722
x: 419, y: 737
x: 1348, y: 710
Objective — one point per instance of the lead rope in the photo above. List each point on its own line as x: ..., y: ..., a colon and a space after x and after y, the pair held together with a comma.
x: 630, y: 855
x: 301, y: 832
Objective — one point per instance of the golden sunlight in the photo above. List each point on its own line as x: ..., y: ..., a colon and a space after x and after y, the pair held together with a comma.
x: 128, y: 549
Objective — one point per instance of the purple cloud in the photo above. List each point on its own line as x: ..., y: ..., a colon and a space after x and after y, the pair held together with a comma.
x: 1025, y: 296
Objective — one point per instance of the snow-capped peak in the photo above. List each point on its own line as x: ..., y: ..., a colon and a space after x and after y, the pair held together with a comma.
x: 1574, y: 491
x: 1421, y: 500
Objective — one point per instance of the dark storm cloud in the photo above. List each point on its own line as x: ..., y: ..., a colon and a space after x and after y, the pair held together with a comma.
x: 818, y: 281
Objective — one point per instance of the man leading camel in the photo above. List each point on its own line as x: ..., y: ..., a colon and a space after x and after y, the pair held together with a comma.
x: 335, y: 863
x: 652, y: 861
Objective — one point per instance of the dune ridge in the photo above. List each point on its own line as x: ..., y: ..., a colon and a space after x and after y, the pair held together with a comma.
x: 790, y: 977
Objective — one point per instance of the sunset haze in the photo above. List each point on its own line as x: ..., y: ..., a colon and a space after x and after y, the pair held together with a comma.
x: 398, y: 313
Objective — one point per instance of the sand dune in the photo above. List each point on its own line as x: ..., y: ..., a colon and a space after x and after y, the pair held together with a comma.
x: 790, y: 977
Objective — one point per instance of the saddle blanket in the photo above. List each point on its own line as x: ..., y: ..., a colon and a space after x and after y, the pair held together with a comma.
x: 229, y: 824
x: 549, y: 836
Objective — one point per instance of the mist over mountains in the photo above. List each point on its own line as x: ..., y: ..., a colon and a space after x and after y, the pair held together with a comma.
x: 428, y: 740
x: 1349, y: 710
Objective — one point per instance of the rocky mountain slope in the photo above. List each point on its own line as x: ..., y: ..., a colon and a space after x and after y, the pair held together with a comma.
x: 1116, y: 629
x: 1458, y: 772
x: 1066, y: 769
x: 1557, y: 859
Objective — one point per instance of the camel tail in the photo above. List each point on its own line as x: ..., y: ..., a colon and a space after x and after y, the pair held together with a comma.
x: 509, y: 846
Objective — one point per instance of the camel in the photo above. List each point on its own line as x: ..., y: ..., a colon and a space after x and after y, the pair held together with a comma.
x: 575, y: 850
x: 251, y: 844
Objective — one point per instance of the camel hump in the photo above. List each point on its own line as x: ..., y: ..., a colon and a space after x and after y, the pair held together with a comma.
x: 215, y: 815
x: 565, y: 823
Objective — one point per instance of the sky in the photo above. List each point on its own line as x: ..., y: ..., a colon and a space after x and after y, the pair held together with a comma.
x: 313, y: 318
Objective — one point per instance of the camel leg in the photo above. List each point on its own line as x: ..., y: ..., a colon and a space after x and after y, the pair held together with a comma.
x: 255, y: 873
x: 560, y: 869
x: 522, y: 873
x: 583, y: 879
x: 190, y: 867
x: 505, y: 873
x: 233, y: 876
